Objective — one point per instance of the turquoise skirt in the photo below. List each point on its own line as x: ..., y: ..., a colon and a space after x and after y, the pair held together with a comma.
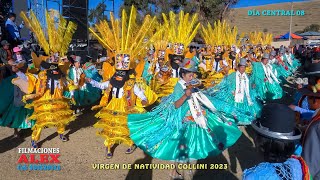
x: 85, y: 97
x: 242, y: 113
x: 282, y: 72
x: 88, y: 95
x: 158, y: 134
x: 10, y: 115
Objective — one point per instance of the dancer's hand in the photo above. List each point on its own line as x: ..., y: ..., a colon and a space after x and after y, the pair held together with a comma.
x: 73, y: 101
x: 291, y: 106
x: 24, y: 99
x: 144, y: 102
x: 188, y: 92
x: 88, y: 80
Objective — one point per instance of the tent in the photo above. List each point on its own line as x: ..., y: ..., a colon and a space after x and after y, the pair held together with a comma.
x: 293, y: 36
x: 278, y: 37
x: 310, y: 33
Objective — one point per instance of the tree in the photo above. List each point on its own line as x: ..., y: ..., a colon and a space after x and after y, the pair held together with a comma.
x: 209, y: 10
x: 97, y: 14
x: 299, y: 32
x: 312, y: 27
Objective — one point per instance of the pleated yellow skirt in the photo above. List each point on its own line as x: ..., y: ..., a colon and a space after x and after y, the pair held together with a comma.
x: 113, y: 121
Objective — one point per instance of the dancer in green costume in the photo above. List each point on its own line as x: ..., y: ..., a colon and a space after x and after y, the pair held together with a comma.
x: 264, y: 80
x: 181, y: 128
x: 13, y: 114
x: 236, y: 91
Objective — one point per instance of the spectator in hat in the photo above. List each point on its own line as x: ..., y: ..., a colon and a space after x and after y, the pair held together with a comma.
x: 5, y: 52
x: 301, y: 101
x: 316, y: 57
x: 13, y: 30
x: 89, y: 59
x: 311, y: 139
x: 26, y: 50
x: 18, y: 55
x: 276, y: 139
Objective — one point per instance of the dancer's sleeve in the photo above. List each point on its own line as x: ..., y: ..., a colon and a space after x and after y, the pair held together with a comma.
x: 139, y: 92
x: 225, y: 63
x: 22, y: 76
x: 100, y: 85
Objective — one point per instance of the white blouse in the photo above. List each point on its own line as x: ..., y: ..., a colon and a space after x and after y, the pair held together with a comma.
x: 119, y: 92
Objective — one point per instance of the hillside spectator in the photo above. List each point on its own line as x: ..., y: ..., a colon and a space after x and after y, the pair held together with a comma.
x: 1, y: 26
x: 13, y: 30
x: 5, y: 52
x: 316, y: 57
x: 276, y: 137
x: 18, y: 55
x: 26, y: 50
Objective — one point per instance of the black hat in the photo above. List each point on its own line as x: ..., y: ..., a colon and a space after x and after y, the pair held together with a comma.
x: 277, y: 122
x: 313, y: 70
x: 173, y: 56
x: 316, y: 55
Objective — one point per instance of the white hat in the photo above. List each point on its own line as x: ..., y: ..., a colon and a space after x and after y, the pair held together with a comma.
x: 78, y: 59
x: 243, y: 62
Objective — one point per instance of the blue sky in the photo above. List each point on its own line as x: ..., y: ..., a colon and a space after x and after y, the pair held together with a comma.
x: 248, y: 3
x: 118, y: 3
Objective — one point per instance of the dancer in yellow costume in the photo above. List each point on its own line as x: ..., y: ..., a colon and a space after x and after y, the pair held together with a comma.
x: 179, y: 32
x: 162, y: 82
x: 51, y: 109
x: 219, y: 36
x: 124, y: 93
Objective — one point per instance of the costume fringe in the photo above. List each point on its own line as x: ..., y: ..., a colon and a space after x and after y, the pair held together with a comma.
x: 47, y: 124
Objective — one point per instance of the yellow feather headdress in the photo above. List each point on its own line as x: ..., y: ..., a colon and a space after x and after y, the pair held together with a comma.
x: 59, y: 35
x: 182, y: 31
x: 125, y: 37
x: 220, y: 34
x: 160, y: 42
x: 260, y: 38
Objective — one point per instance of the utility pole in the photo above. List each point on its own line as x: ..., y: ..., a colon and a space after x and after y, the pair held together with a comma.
x: 290, y: 21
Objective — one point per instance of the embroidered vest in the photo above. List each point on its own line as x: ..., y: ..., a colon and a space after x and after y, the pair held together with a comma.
x: 128, y: 94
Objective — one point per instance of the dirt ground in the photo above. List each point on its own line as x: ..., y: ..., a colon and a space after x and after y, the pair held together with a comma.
x: 85, y: 148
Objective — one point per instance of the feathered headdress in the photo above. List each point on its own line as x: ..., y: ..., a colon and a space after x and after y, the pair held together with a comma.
x: 59, y: 35
x: 160, y: 42
x: 220, y: 34
x: 180, y: 33
x: 260, y: 38
x: 125, y: 37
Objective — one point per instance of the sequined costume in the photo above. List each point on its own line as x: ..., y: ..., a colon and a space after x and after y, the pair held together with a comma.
x: 171, y: 133
x: 236, y: 90
x: 126, y: 91
x: 118, y: 101
x: 51, y: 108
x: 265, y: 82
x: 84, y: 94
